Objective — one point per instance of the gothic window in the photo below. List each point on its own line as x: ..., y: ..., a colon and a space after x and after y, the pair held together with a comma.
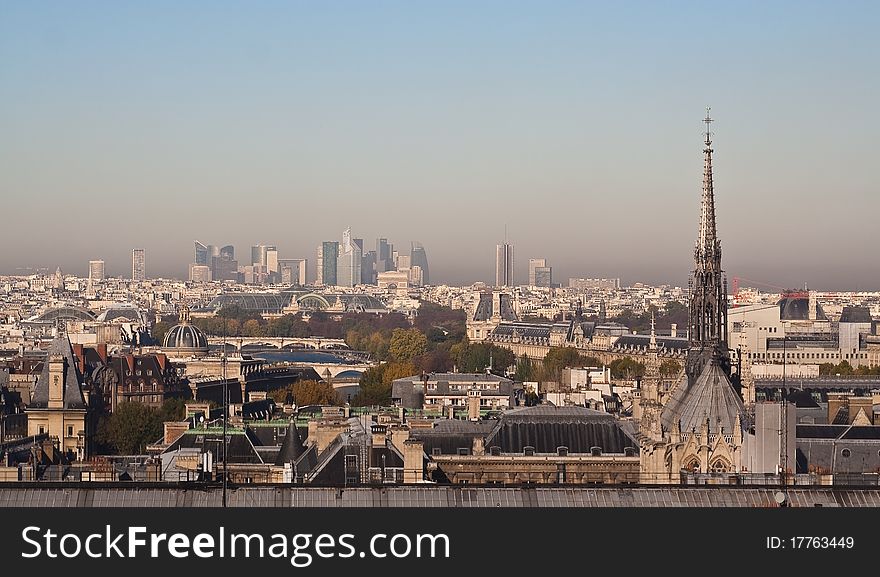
x: 693, y: 464
x: 719, y: 466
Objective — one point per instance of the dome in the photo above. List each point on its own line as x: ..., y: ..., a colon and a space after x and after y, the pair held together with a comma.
x: 185, y: 338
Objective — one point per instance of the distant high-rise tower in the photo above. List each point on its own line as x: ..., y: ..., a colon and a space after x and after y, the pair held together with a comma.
x: 138, y: 265
x: 328, y: 254
x: 384, y: 257
x: 707, y: 310
x: 504, y: 274
x: 96, y: 270
x: 348, y: 269
x: 539, y: 273
x: 259, y: 255
x: 203, y: 254
x: 418, y: 258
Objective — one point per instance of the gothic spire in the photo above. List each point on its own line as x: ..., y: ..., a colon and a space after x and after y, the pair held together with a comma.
x: 707, y: 240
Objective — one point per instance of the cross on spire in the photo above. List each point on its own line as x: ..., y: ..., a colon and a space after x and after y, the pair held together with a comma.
x: 708, y: 120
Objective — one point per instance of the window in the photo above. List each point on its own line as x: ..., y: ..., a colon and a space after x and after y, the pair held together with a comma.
x: 719, y: 466
x: 846, y: 453
x: 69, y: 430
x: 42, y: 430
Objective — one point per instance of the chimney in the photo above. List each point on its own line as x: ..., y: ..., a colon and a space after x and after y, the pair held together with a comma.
x: 413, y: 461
x: 673, y: 330
x: 101, y: 349
x: 479, y: 447
x: 473, y: 405
x: 173, y: 430
x: 56, y: 381
x: 378, y: 434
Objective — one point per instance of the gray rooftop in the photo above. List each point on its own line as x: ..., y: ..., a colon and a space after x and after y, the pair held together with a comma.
x: 711, y: 397
x: 72, y: 395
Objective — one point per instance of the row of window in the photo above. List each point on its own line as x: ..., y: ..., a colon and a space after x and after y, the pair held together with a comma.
x: 817, y: 356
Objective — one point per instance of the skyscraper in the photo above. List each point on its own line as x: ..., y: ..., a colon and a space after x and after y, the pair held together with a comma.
x: 138, y: 265
x: 384, y: 257
x: 540, y: 274
x: 259, y: 255
x: 418, y: 258
x: 202, y: 253
x: 293, y: 270
x: 96, y: 270
x: 272, y: 259
x: 328, y: 253
x: 348, y: 269
x: 504, y: 274
x: 535, y: 263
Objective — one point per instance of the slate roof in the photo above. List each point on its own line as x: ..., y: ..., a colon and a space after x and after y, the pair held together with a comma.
x: 73, y: 397
x: 642, y: 341
x: 292, y: 448
x: 547, y: 427
x: 854, y: 314
x: 711, y: 397
x: 795, y: 308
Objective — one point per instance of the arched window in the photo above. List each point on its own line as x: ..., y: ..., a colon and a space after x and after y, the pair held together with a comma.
x: 692, y: 464
x: 719, y: 466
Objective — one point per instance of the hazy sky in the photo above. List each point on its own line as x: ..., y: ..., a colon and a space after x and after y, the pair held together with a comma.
x: 577, y: 124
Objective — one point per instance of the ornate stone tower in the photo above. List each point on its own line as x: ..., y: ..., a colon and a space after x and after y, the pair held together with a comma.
x: 707, y: 309
x: 702, y: 422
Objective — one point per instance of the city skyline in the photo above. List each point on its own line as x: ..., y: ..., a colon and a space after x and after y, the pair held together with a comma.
x: 522, y: 118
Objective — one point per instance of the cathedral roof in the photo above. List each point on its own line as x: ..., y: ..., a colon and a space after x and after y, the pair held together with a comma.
x: 711, y: 397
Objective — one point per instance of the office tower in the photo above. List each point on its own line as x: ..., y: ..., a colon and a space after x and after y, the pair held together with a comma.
x: 259, y: 254
x: 404, y: 262
x: 202, y: 254
x: 293, y: 271
x: 533, y: 264
x: 544, y: 276
x: 416, y: 276
x: 368, y: 268
x: 199, y: 273
x: 224, y: 267
x: 348, y: 268
x: 138, y: 265
x: 504, y: 274
x: 96, y: 270
x: 540, y: 274
x: 384, y: 260
x: 418, y: 258
x: 328, y: 254
x: 227, y: 251
x: 272, y: 259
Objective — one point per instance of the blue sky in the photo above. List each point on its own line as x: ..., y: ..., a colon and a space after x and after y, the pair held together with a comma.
x: 575, y: 123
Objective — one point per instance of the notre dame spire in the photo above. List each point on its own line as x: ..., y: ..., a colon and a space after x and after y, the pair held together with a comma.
x: 707, y: 311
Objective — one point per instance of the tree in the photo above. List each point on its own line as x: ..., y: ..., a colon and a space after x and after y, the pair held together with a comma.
x: 307, y: 393
x: 375, y: 383
x: 524, y: 370
x: 626, y: 368
x: 407, y: 344
x: 475, y: 357
x: 670, y: 368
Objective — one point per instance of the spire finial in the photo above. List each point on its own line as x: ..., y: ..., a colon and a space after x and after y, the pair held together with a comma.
x: 653, y: 334
x: 708, y: 121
